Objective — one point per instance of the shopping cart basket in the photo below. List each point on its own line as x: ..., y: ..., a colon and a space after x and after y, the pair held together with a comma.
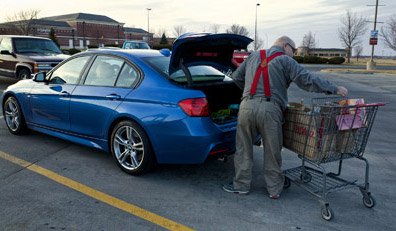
x: 328, y: 132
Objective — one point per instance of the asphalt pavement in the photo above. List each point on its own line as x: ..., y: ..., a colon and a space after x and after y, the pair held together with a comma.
x: 190, y: 195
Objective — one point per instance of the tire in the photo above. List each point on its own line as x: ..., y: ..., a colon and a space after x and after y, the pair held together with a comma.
x: 369, y: 201
x: 327, y: 213
x: 24, y: 73
x: 132, y: 153
x: 13, y: 116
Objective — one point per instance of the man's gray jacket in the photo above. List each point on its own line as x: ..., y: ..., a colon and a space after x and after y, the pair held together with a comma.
x: 282, y: 71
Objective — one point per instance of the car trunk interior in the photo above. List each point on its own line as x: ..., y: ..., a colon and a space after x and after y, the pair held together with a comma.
x: 223, y: 98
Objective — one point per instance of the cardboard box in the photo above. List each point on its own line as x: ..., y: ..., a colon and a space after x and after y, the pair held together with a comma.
x: 315, y: 136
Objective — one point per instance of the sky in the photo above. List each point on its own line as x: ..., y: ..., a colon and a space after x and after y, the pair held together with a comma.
x: 293, y: 18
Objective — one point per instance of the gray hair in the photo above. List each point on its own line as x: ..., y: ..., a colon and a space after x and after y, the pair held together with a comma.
x: 281, y: 41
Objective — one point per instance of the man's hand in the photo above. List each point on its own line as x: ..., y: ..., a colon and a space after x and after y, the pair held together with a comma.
x: 342, y: 91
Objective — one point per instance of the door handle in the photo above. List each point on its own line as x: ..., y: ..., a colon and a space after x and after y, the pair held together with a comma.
x: 113, y: 97
x: 64, y: 94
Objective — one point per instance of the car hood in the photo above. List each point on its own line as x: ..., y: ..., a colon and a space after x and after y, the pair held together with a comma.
x: 45, y: 58
x: 206, y: 49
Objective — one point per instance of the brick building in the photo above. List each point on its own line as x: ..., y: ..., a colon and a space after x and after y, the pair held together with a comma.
x: 322, y: 52
x: 81, y: 30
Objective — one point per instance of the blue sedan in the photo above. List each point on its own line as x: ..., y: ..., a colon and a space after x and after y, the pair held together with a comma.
x: 143, y: 106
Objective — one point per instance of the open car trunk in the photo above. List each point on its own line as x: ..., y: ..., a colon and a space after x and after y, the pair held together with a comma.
x: 191, y: 52
x: 223, y: 99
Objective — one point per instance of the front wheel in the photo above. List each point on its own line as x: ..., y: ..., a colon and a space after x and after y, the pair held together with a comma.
x: 131, y: 148
x: 14, y: 117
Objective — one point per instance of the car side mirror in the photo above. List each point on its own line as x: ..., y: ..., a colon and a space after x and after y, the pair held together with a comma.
x: 39, y: 77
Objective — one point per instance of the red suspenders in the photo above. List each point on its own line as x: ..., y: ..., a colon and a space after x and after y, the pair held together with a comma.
x: 263, y: 69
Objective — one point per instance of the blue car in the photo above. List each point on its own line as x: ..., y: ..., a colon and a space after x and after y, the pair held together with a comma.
x: 143, y: 106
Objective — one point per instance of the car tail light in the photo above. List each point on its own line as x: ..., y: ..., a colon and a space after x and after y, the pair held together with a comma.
x: 195, y: 107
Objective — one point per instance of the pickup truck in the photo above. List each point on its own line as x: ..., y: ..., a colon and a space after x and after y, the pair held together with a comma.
x: 21, y: 56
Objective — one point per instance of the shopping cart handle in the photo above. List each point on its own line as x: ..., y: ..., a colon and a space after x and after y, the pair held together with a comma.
x: 370, y: 105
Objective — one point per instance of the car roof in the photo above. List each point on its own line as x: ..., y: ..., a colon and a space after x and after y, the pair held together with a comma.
x: 139, y: 53
x: 135, y: 41
x: 24, y: 36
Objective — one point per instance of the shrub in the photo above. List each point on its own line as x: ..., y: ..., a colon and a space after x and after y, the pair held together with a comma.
x: 92, y: 46
x: 337, y: 60
x: 73, y: 51
x: 111, y: 45
x: 299, y: 59
x: 161, y: 46
x: 314, y: 60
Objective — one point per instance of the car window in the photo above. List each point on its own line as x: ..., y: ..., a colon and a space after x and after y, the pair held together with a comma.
x: 69, y: 72
x: 6, y: 44
x: 33, y: 45
x: 198, y: 73
x: 104, y: 71
x: 127, y: 77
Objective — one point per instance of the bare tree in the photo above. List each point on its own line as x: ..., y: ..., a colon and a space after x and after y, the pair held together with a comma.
x: 358, y: 51
x: 178, y: 30
x: 23, y: 20
x: 237, y: 29
x: 388, y: 33
x: 309, y: 42
x: 214, y: 28
x: 256, y: 45
x: 352, y: 27
x: 160, y: 32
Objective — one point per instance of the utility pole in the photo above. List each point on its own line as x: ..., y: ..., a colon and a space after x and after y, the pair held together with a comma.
x: 373, y: 38
x: 255, y: 29
x: 148, y: 25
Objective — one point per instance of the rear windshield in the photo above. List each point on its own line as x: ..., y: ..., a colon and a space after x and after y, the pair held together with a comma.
x: 31, y: 45
x: 136, y: 45
x: 198, y: 73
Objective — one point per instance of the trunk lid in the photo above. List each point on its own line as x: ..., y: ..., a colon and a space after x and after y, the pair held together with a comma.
x: 214, y: 50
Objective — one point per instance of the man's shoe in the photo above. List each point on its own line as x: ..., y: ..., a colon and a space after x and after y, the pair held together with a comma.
x: 274, y: 196
x: 230, y: 188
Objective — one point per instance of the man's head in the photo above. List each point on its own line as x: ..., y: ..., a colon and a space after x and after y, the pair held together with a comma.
x: 287, y: 45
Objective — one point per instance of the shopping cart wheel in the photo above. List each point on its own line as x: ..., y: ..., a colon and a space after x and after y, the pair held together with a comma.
x: 286, y: 183
x: 327, y: 213
x: 306, y: 177
x: 368, y: 201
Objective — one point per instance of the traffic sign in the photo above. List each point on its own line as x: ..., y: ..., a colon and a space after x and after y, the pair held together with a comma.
x: 373, y: 41
x: 374, y: 34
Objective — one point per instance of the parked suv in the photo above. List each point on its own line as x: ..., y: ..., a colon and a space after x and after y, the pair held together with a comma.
x: 133, y: 44
x: 20, y: 56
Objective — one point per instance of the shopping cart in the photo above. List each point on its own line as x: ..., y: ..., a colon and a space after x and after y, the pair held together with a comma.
x: 328, y: 132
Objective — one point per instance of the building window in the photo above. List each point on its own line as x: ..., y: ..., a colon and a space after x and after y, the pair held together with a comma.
x: 88, y: 43
x: 70, y: 43
x: 81, y: 43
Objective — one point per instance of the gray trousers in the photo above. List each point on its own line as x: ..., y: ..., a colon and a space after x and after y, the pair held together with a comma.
x: 257, y: 116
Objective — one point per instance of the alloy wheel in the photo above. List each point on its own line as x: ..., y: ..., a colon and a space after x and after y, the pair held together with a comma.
x: 12, y: 114
x: 128, y: 147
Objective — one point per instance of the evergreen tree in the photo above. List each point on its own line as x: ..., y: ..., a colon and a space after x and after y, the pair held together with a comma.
x: 53, y: 37
x: 164, y: 40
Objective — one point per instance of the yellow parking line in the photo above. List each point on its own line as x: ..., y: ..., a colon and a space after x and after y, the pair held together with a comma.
x: 115, y: 202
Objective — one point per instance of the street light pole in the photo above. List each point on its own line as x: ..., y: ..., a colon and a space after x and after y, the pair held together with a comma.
x: 148, y: 25
x: 255, y: 29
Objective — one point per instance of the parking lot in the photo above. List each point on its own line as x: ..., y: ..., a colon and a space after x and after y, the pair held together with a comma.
x: 50, y: 184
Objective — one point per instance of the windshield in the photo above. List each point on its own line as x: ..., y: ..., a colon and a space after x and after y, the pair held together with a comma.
x: 198, y: 73
x: 136, y: 45
x: 31, y: 45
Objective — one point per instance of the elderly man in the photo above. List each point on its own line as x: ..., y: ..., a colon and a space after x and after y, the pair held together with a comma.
x: 265, y: 77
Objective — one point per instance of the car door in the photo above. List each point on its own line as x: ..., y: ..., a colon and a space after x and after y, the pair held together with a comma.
x: 94, y: 102
x: 50, y: 100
